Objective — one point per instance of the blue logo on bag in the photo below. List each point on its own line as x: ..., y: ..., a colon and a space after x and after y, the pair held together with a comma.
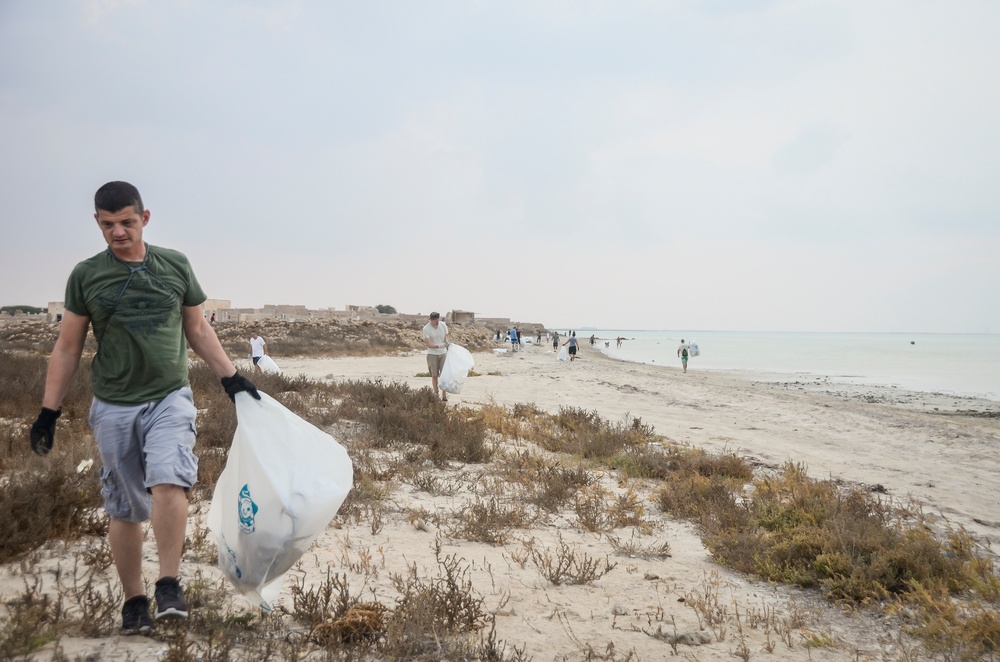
x: 247, y: 510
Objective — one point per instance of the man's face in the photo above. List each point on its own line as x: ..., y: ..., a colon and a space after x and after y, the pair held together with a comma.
x: 434, y: 322
x: 123, y: 231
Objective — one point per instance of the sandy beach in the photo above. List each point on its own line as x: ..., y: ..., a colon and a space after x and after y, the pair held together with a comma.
x: 939, y: 450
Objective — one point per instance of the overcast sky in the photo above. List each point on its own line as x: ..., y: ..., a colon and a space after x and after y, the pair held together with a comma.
x: 746, y: 165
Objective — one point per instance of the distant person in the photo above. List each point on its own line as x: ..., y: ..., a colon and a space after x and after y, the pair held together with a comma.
x: 555, y: 341
x: 436, y: 340
x: 539, y: 338
x: 144, y: 305
x: 593, y: 339
x: 513, y: 338
x: 683, y: 351
x: 212, y: 321
x: 572, y: 346
x: 518, y: 336
x: 258, y: 348
x: 619, y: 341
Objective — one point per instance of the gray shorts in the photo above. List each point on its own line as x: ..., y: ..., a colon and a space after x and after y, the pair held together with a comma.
x: 142, y: 446
x: 434, y: 364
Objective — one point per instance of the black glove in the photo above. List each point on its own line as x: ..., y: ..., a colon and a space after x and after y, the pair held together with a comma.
x: 43, y: 431
x: 237, y: 383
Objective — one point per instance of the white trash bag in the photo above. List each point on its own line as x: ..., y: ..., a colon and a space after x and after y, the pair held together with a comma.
x: 457, y: 364
x: 693, y: 349
x: 563, y: 354
x: 284, y: 481
x: 268, y: 365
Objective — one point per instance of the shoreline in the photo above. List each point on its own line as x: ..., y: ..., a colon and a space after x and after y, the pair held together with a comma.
x: 840, y: 386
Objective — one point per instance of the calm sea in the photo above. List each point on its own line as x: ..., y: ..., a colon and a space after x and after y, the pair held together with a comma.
x: 962, y: 364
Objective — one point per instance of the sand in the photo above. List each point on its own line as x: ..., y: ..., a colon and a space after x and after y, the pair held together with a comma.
x: 937, y: 449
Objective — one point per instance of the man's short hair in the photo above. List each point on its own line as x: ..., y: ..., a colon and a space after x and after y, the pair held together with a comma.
x: 115, y: 196
x: 435, y: 316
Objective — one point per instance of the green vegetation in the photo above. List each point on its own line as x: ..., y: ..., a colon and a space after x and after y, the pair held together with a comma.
x: 28, y: 310
x: 385, y: 310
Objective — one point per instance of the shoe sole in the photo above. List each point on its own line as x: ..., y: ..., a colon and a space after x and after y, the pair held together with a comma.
x: 171, y: 614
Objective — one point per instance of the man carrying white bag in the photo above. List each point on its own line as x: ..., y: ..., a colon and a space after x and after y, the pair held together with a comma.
x: 284, y: 481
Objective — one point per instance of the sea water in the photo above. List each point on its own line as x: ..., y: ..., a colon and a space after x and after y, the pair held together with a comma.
x: 960, y: 364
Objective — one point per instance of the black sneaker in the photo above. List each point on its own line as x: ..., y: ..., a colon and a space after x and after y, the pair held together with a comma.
x: 135, y: 616
x: 170, y: 599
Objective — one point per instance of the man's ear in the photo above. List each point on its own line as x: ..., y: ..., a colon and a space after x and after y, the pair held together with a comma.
x: 145, y: 217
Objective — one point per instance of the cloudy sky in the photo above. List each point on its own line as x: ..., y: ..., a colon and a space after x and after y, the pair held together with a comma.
x: 671, y: 164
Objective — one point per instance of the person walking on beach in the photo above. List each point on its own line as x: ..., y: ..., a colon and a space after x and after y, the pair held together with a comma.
x: 683, y: 351
x: 143, y: 302
x: 555, y: 341
x: 258, y: 348
x: 513, y: 338
x: 572, y: 346
x: 435, y: 334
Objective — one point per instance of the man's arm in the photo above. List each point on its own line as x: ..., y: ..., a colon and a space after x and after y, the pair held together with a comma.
x: 202, y: 339
x: 65, y: 358
x: 429, y: 344
x: 265, y: 348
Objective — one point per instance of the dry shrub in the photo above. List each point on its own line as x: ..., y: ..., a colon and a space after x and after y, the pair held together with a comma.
x: 955, y: 630
x: 546, y: 482
x: 393, y: 414
x: 490, y: 521
x: 667, y: 460
x: 585, y: 433
x: 565, y: 565
x: 32, y: 621
x: 598, y: 510
x: 626, y: 509
x: 430, y: 612
x: 54, y: 503
x: 590, y: 505
x: 636, y: 548
x: 850, y: 543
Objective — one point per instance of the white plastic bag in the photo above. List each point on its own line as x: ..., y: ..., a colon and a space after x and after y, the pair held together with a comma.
x: 268, y: 365
x: 693, y: 349
x: 563, y: 354
x: 457, y: 365
x: 284, y: 481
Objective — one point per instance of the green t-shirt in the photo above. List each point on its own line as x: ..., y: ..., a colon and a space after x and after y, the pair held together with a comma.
x: 142, y: 353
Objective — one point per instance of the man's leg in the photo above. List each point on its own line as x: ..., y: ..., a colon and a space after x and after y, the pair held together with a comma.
x: 169, y: 519
x: 125, y: 540
x: 434, y: 383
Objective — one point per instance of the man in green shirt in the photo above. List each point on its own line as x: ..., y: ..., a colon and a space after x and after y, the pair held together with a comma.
x: 144, y: 304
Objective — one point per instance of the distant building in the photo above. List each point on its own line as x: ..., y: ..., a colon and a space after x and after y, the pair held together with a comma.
x: 461, y: 318
x: 56, y: 311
